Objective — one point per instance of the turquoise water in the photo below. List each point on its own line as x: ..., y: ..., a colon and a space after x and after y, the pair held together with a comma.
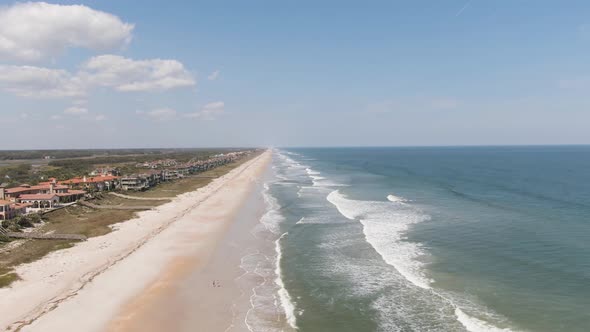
x: 432, y: 239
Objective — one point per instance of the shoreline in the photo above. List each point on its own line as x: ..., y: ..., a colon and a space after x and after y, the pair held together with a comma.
x: 63, y: 278
x: 202, y: 289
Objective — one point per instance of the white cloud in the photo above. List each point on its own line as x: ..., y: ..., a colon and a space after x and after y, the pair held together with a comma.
x: 32, y: 31
x: 209, y: 111
x: 56, y: 117
x: 74, y: 110
x: 100, y: 117
x: 111, y: 71
x: 37, y: 82
x: 214, y: 75
x: 159, y: 114
x: 125, y: 74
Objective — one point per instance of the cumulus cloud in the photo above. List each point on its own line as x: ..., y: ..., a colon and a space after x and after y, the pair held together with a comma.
x: 125, y: 74
x: 28, y: 81
x: 214, y: 75
x: 32, y: 31
x: 74, y: 110
x: 209, y: 111
x: 119, y: 73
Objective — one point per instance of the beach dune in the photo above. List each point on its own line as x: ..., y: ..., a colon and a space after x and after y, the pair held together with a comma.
x: 127, y: 280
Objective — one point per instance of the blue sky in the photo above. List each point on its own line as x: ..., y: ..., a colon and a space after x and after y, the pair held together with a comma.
x: 296, y: 73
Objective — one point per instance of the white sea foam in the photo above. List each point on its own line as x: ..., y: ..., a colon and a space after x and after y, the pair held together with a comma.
x: 384, y: 228
x: 320, y: 181
x: 316, y: 221
x: 311, y: 171
x: 269, y: 298
x: 285, y: 298
x: 476, y: 325
x: 396, y: 199
x: 272, y: 218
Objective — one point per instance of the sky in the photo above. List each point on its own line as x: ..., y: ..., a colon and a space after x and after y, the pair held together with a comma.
x: 121, y: 74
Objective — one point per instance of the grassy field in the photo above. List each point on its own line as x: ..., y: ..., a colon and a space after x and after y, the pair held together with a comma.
x: 78, y: 219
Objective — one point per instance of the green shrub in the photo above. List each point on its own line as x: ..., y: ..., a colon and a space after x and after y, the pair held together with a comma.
x: 7, y: 279
x: 23, y: 221
x: 6, y: 223
x: 35, y: 218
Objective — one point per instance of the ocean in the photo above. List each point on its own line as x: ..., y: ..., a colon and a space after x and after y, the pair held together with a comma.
x: 425, y: 239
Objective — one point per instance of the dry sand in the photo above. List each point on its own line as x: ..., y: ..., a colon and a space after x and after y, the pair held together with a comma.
x: 124, y: 281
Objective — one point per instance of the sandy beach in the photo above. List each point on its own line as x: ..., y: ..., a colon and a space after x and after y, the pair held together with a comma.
x: 135, y: 277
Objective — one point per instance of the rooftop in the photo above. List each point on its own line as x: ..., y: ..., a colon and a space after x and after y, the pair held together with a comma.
x: 40, y: 197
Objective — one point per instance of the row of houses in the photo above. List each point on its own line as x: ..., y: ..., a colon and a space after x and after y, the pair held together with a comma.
x: 158, y: 163
x: 152, y: 177
x: 53, y: 193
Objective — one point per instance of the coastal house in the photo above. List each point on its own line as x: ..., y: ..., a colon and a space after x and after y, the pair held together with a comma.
x: 63, y: 192
x: 9, y: 210
x: 96, y: 183
x: 105, y: 170
x: 6, y: 211
x: 135, y: 182
x: 71, y: 196
x: 40, y: 201
x: 42, y: 188
x: 171, y: 174
x: 154, y: 176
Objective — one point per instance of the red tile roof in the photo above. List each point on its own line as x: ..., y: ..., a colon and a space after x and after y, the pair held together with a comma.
x: 17, y: 190
x: 90, y: 179
x: 21, y: 189
x: 22, y: 205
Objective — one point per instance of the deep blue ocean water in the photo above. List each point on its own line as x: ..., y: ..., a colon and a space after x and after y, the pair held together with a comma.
x: 433, y: 239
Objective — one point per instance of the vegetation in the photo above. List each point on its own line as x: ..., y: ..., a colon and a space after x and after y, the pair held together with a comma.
x: 20, y: 222
x: 15, y: 174
x: 7, y: 279
x: 67, y: 164
x: 68, y: 154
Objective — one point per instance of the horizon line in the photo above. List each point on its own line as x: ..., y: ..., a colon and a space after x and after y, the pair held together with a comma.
x: 304, y: 147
